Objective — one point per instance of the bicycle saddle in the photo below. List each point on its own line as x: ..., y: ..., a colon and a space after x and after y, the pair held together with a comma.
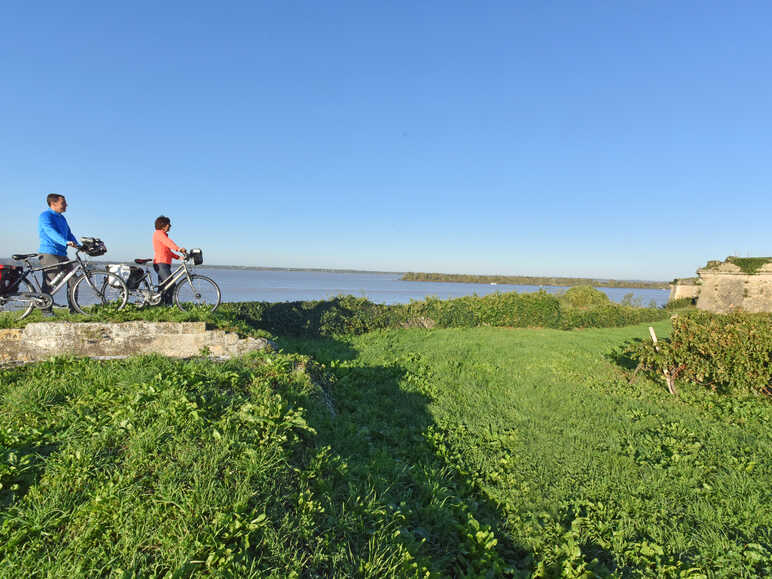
x: 20, y: 256
x: 142, y: 261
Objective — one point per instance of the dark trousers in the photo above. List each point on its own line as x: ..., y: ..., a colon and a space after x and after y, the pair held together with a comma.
x: 164, y: 270
x: 49, y: 275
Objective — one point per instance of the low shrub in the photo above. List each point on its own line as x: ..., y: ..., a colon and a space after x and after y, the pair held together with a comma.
x: 350, y: 315
x: 680, y: 304
x: 731, y: 352
x: 583, y: 296
x: 608, y: 316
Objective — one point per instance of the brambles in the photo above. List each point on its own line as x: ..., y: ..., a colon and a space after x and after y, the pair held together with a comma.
x: 725, y: 353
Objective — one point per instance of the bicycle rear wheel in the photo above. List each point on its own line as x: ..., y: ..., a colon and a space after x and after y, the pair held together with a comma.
x: 18, y: 306
x: 96, y: 289
x: 200, y: 291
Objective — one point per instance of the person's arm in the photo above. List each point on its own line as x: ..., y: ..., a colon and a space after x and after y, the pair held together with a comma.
x: 47, y: 226
x: 166, y: 240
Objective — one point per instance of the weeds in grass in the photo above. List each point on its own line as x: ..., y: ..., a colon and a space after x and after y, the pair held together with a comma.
x: 452, y: 452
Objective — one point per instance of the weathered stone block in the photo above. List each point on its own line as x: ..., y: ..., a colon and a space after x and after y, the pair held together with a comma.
x: 725, y: 288
x: 38, y: 341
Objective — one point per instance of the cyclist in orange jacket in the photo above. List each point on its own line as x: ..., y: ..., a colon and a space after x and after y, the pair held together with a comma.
x: 163, y: 253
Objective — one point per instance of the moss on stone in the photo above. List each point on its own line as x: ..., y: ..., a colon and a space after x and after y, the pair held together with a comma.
x: 749, y: 265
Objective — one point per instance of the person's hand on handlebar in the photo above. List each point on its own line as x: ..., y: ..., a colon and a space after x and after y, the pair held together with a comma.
x: 73, y: 244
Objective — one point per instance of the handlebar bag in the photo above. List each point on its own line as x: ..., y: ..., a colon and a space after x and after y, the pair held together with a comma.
x: 93, y: 246
x: 197, y: 255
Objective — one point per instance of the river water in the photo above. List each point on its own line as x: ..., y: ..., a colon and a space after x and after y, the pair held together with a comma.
x: 242, y: 285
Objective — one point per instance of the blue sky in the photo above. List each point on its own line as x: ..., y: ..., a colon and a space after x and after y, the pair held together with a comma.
x: 613, y: 139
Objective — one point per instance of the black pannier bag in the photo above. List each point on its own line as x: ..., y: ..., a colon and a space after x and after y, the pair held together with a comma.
x: 130, y: 274
x: 135, y: 276
x: 9, y: 274
x: 93, y: 246
x: 197, y: 255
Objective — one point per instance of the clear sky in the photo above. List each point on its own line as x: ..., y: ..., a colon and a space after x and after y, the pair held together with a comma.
x: 627, y: 139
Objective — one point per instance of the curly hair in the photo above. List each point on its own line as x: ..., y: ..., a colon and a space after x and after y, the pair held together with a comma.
x: 162, y: 221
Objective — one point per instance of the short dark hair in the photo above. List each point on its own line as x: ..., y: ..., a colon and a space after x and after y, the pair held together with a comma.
x: 162, y: 221
x: 53, y: 197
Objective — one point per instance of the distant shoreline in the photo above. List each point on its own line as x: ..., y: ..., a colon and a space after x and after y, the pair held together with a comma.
x: 533, y: 281
x: 438, y: 277
x: 9, y: 261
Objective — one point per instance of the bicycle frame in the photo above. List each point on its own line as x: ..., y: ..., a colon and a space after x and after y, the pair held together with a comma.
x: 180, y: 283
x: 169, y: 282
x: 78, y: 270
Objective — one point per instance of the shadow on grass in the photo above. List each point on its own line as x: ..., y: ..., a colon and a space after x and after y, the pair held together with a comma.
x: 382, y: 432
x: 622, y: 355
x: 24, y: 465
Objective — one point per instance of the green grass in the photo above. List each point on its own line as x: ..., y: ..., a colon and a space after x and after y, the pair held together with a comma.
x: 456, y: 452
x: 572, y: 468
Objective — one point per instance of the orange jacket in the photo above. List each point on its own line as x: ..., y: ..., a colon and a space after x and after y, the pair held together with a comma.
x: 162, y: 248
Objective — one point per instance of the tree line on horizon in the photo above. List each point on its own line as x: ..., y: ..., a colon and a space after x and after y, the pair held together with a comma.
x: 532, y: 280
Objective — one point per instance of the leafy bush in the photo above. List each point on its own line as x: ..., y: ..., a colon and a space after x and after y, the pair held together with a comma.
x: 583, y: 296
x: 723, y: 352
x: 608, y: 316
x: 680, y: 304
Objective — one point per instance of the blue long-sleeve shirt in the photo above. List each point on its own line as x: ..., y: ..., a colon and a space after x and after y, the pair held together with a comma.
x: 54, y: 233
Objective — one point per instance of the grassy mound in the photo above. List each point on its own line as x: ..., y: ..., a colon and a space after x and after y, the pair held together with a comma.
x: 451, y: 452
x: 149, y: 467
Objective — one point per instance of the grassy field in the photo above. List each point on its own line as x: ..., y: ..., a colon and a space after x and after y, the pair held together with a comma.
x: 454, y: 452
x: 572, y: 468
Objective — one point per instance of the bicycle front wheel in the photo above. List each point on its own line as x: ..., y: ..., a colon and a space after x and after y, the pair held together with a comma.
x: 200, y: 291
x: 97, y: 289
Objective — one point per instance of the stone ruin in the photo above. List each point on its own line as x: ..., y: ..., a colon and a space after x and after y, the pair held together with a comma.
x: 735, y: 284
x: 38, y: 341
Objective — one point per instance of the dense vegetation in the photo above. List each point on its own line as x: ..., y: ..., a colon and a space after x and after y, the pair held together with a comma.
x: 401, y: 451
x: 726, y: 353
x: 749, y: 265
x: 466, y: 451
x: 578, y: 307
x: 533, y: 280
x: 351, y: 315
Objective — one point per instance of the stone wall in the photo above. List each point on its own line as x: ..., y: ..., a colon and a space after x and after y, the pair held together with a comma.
x: 684, y: 288
x: 39, y: 341
x: 725, y: 287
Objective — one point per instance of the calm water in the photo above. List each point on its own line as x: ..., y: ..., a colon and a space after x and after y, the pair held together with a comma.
x: 239, y: 285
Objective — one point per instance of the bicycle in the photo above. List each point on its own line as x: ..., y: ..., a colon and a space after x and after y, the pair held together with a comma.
x: 190, y: 289
x: 20, y: 291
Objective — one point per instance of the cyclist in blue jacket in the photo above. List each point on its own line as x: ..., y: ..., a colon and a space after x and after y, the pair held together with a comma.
x: 55, y: 236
